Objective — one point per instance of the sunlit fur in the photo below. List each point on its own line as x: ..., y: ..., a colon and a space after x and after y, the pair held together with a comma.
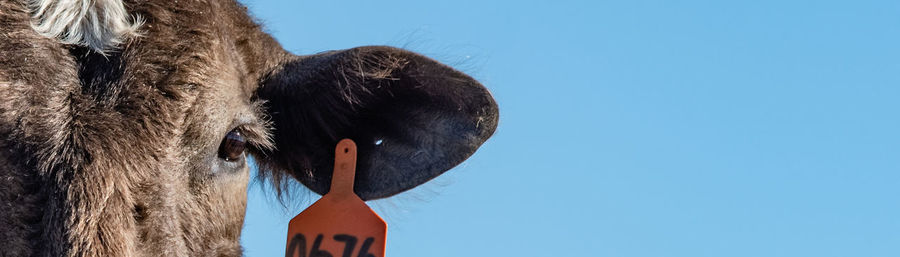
x: 99, y: 24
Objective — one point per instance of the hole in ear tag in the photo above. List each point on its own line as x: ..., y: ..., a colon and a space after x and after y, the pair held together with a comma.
x: 339, y: 224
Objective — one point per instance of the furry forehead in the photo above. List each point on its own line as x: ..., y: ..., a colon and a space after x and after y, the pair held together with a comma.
x: 98, y: 24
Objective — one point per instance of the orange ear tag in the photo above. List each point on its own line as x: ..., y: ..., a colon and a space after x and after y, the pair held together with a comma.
x: 339, y: 224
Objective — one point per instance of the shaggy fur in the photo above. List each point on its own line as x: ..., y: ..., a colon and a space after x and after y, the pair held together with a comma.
x: 98, y: 24
x: 115, y: 153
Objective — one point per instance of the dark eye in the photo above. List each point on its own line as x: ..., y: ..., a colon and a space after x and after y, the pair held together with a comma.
x: 232, y: 147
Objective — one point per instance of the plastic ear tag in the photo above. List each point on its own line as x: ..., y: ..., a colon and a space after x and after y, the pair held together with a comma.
x: 339, y: 224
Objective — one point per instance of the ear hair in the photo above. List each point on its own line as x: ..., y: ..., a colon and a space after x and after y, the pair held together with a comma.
x: 99, y: 24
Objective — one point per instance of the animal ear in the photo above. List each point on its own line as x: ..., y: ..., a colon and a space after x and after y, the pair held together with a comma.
x: 411, y: 117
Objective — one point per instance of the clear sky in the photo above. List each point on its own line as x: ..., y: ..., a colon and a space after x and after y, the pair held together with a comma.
x: 640, y: 128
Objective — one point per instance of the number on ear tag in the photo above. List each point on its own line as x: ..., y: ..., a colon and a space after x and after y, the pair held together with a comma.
x: 339, y: 224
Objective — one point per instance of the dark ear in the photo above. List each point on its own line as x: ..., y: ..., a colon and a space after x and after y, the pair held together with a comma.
x: 411, y: 117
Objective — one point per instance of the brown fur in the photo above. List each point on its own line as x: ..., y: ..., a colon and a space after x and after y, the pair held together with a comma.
x: 116, y: 155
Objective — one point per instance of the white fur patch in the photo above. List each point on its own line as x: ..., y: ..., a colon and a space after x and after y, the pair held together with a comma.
x: 98, y: 24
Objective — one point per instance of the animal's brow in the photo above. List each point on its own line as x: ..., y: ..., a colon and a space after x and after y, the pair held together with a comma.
x: 255, y: 126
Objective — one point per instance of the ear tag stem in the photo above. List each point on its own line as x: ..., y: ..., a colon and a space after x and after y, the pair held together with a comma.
x: 339, y: 224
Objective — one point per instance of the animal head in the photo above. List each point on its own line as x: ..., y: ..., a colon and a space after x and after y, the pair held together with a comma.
x: 136, y: 120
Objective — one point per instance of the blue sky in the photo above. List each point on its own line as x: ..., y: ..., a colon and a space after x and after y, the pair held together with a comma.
x: 640, y: 128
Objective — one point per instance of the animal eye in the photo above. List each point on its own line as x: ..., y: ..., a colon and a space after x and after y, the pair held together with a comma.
x: 232, y: 147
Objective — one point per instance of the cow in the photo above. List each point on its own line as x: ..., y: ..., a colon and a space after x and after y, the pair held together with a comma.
x: 127, y: 125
